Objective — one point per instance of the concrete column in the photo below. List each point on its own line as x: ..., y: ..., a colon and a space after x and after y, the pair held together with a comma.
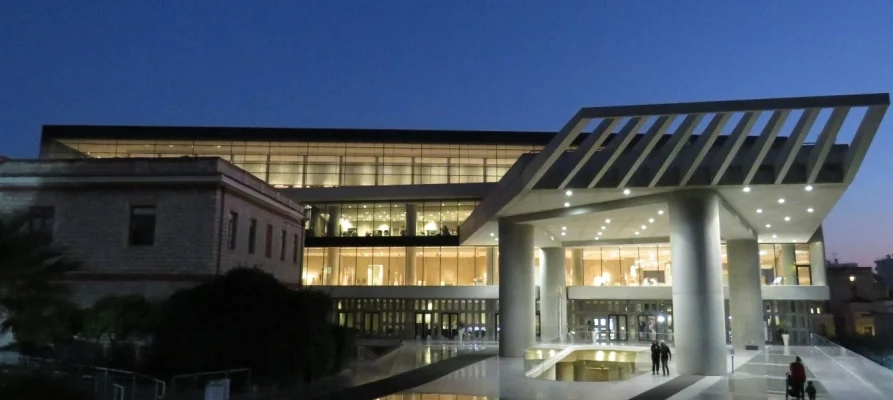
x: 409, y: 273
x: 317, y: 222
x: 817, y: 258
x: 577, y: 266
x: 745, y: 296
x: 553, y: 297
x: 517, y: 294
x: 698, y: 304
x: 333, y: 225
x: 332, y: 271
x: 412, y: 217
x: 492, y: 271
x: 785, y: 266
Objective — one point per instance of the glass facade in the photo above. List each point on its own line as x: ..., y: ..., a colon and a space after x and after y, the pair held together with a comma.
x: 468, y: 266
x: 314, y: 164
x: 387, y: 266
x: 433, y: 218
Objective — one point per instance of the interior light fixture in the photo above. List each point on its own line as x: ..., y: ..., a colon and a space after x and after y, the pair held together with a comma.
x: 604, y: 227
x: 650, y: 220
x: 566, y: 204
x: 787, y: 218
x: 626, y: 191
x: 781, y: 200
x: 596, y: 238
x: 492, y: 234
x: 637, y: 233
x: 599, y: 233
x: 746, y: 189
x: 774, y: 236
x: 660, y: 212
x: 564, y: 228
x: 644, y: 227
x: 563, y: 233
x: 759, y: 211
x: 808, y: 188
x: 608, y: 221
x: 809, y: 210
x: 568, y: 193
x: 768, y: 225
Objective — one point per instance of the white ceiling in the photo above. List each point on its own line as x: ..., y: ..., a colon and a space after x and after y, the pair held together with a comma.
x: 624, y: 223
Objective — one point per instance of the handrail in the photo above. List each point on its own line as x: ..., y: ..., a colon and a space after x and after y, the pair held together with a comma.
x: 160, y: 386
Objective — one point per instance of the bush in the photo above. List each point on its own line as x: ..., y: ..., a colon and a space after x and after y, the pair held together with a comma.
x: 245, y: 319
x: 32, y: 386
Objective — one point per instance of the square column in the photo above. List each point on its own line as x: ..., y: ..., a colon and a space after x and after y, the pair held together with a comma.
x: 409, y: 278
x: 817, y: 259
x: 698, y: 304
x: 745, y: 295
x: 517, y: 293
x: 553, y: 297
x: 785, y: 264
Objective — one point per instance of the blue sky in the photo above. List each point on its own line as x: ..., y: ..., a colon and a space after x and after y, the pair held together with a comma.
x: 496, y: 64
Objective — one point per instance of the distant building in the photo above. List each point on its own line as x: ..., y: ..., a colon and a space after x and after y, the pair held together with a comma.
x: 152, y: 226
x: 859, y: 301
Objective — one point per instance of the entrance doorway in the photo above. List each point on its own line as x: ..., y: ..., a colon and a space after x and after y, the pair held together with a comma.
x: 424, y: 324
x: 449, y: 325
x: 371, y: 323
x: 610, y: 328
x: 538, y: 327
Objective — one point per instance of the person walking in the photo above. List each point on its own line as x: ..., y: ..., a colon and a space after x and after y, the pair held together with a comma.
x: 665, y: 356
x: 655, y: 357
x: 810, y: 390
x: 798, y: 378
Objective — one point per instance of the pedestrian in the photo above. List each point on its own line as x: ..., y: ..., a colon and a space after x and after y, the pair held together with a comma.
x: 655, y: 357
x: 665, y: 356
x: 810, y: 390
x: 798, y: 378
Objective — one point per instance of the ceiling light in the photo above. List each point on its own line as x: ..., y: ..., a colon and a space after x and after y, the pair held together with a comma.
x: 552, y: 237
x: 492, y: 234
x: 781, y: 200
x: 626, y: 191
x: 809, y: 210
x: 759, y: 211
x: 603, y: 228
x: 808, y: 188
x: 564, y: 228
x: 599, y: 233
x: 644, y: 227
x: 787, y: 218
x: 660, y: 212
x: 608, y: 221
x: 746, y: 189
x: 637, y: 233
x: 774, y: 236
x: 568, y: 193
x: 768, y: 225
x: 596, y: 238
x: 566, y: 204
x: 563, y: 233
x: 650, y: 220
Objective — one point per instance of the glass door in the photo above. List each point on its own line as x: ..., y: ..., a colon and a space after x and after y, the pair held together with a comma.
x: 424, y: 325
x: 371, y: 323
x: 449, y: 327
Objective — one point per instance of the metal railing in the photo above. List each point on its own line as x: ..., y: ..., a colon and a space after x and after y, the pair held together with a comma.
x: 102, y: 382
x: 607, y: 337
x: 363, y: 353
x: 197, y: 381
x: 869, y: 372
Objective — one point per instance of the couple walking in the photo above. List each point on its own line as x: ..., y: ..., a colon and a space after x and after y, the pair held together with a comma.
x: 660, y: 357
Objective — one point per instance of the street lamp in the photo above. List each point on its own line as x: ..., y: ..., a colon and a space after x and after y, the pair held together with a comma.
x: 852, y: 278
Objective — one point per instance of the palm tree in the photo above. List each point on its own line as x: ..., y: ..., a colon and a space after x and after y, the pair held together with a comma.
x: 33, y: 298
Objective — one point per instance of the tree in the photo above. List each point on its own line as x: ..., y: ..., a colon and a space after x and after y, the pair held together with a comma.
x: 118, y: 318
x: 245, y: 318
x: 33, y: 298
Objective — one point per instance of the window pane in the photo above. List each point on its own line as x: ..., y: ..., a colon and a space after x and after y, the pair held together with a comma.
x: 142, y: 226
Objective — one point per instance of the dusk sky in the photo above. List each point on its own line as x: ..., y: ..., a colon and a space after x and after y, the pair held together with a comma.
x: 477, y: 65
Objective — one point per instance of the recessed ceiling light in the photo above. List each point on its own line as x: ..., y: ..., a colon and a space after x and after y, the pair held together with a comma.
x: 564, y: 228
x: 768, y: 225
x: 604, y: 227
x: 781, y: 200
x: 787, y: 218
x: 746, y: 189
x: 626, y: 191
x: 568, y: 193
x: 759, y: 211
x: 608, y: 221
x: 599, y: 233
x: 808, y: 188
x: 644, y: 227
x: 552, y: 237
x: 566, y: 204
x: 596, y: 238
x: 637, y: 232
x: 492, y: 234
x: 774, y: 236
x: 660, y: 212
x: 563, y: 233
x: 650, y: 220
x: 809, y: 210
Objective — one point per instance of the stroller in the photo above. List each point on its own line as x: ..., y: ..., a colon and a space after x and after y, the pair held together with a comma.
x: 789, y: 390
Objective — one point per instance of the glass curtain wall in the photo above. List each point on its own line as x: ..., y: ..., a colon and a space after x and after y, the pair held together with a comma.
x: 386, y: 266
x: 299, y: 165
x: 433, y: 218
